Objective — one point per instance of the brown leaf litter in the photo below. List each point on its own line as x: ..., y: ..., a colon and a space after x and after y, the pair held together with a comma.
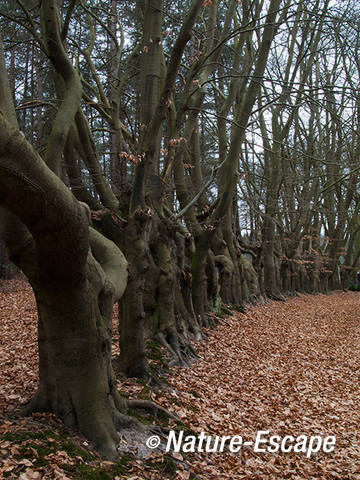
x: 288, y: 367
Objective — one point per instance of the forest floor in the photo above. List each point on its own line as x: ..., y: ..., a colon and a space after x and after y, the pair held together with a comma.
x: 291, y: 368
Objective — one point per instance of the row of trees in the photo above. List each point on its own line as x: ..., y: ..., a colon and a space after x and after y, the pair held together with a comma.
x: 212, y: 147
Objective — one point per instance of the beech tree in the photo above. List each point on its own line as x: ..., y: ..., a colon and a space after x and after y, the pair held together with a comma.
x: 141, y: 137
x: 47, y: 233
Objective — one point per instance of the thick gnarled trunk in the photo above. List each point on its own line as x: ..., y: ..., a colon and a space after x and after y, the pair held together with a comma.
x: 49, y: 240
x: 76, y: 380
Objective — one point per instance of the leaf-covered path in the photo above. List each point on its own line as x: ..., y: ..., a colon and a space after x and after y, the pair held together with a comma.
x: 291, y: 368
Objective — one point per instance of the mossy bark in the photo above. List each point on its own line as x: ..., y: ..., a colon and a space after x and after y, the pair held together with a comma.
x: 250, y: 277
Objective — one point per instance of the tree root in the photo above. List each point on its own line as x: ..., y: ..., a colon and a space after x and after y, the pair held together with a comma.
x: 278, y: 297
x: 212, y: 320
x: 182, y: 352
x: 133, y: 436
x: 149, y: 405
x: 122, y: 421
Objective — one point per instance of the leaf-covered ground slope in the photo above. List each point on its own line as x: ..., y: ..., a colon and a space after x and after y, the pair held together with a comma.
x: 288, y: 367
x: 292, y: 368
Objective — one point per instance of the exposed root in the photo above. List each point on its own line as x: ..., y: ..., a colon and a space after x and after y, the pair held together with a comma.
x: 187, y: 348
x: 133, y: 434
x: 157, y: 382
x: 212, y: 321
x: 149, y: 405
x: 159, y: 429
x: 182, y: 352
x: 278, y: 297
x: 173, y: 347
x: 122, y: 421
x: 200, y: 336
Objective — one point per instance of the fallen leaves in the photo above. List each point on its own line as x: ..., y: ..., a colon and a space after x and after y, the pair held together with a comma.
x: 18, y: 344
x: 289, y: 367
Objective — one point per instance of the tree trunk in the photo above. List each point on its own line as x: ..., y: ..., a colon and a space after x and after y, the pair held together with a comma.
x: 132, y: 360
x: 74, y: 296
x: 46, y: 231
x: 199, y: 279
x: 74, y: 338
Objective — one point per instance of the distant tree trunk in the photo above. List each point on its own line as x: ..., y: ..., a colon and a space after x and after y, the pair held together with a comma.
x: 132, y: 360
x: 145, y: 202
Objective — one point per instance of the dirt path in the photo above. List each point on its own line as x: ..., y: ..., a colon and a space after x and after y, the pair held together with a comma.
x: 290, y: 368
